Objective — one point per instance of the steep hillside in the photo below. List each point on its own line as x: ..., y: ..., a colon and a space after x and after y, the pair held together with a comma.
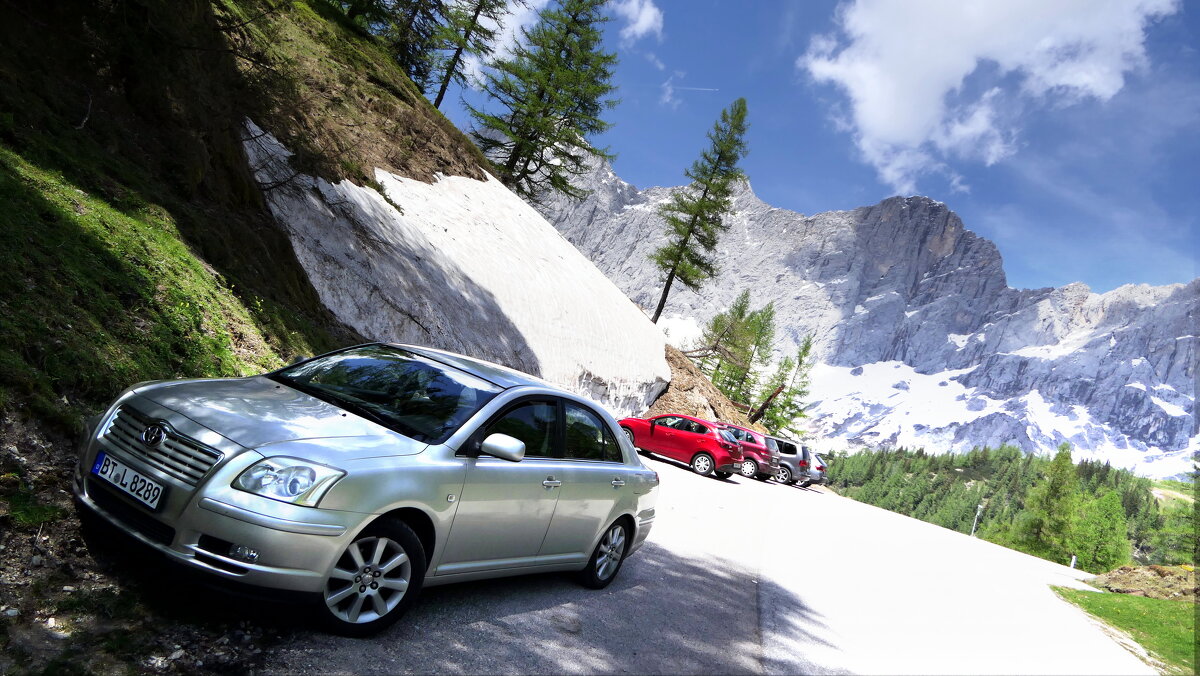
x: 921, y: 341
x: 142, y: 242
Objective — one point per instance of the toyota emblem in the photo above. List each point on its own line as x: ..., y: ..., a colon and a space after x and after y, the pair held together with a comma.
x: 154, y: 434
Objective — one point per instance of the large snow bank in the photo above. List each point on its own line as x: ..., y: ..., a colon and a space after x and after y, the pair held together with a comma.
x: 467, y: 266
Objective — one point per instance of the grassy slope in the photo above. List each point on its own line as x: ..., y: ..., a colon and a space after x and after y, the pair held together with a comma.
x: 137, y: 246
x: 1167, y: 629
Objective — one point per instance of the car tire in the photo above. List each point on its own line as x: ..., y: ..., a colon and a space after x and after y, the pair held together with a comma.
x: 784, y: 475
x: 629, y: 433
x: 805, y: 484
x: 375, y: 580
x: 748, y: 468
x: 723, y: 475
x: 607, y: 558
x: 702, y: 464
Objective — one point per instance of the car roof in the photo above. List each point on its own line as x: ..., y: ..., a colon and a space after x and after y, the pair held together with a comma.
x: 496, y: 374
x: 710, y: 423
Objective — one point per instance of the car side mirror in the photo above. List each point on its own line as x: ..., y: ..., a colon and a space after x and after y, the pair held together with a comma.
x: 653, y: 424
x: 504, y: 447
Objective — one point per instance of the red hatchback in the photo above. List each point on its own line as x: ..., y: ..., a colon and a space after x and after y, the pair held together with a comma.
x: 761, y: 458
x: 695, y: 441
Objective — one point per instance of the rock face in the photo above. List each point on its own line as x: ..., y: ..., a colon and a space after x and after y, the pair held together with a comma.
x: 903, y: 287
x: 464, y: 265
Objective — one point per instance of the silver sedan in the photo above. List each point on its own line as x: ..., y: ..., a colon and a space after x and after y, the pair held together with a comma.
x: 360, y: 476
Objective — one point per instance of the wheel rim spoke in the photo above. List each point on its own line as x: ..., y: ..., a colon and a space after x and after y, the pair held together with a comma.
x: 341, y: 574
x: 332, y: 600
x: 393, y: 562
x: 394, y: 584
x: 356, y: 555
x: 380, y: 545
x: 381, y: 606
x: 356, y: 608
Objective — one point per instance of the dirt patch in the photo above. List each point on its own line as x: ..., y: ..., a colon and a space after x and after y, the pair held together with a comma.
x: 692, y: 393
x: 1175, y: 583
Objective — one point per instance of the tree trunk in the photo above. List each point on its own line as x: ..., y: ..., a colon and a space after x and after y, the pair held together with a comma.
x: 759, y: 412
x: 662, y: 300
x: 437, y: 102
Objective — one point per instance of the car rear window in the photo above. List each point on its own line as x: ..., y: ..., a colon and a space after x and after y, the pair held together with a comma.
x: 408, y: 393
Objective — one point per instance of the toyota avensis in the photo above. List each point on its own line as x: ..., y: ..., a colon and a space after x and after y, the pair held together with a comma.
x: 359, y: 476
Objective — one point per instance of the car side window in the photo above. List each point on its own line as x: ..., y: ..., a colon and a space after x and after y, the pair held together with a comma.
x: 697, y: 427
x: 532, y: 423
x: 786, y: 448
x: 667, y: 421
x: 588, y: 438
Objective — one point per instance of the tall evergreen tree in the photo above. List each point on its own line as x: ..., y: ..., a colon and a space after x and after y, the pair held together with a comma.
x: 695, y: 214
x: 1100, y: 542
x: 1046, y: 526
x: 552, y: 91
x: 782, y: 397
x: 468, y: 32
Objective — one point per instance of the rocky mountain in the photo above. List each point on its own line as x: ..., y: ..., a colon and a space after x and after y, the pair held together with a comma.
x: 920, y: 340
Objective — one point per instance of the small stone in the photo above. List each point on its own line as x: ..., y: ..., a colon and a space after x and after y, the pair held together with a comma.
x: 199, y: 663
x: 176, y: 655
x: 12, y: 612
x: 51, y: 623
x: 68, y: 588
x: 36, y: 560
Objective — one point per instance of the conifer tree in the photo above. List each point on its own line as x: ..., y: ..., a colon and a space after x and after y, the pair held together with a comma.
x: 782, y: 397
x: 468, y: 32
x: 552, y: 90
x: 1100, y: 542
x: 695, y: 214
x: 1045, y: 528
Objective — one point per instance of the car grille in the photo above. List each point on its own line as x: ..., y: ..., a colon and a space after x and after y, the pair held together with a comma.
x: 178, y: 456
x: 129, y: 515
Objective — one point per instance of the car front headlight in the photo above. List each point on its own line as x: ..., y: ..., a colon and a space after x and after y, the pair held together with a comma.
x: 291, y: 480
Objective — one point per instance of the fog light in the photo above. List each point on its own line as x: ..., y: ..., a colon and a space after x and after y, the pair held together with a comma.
x: 247, y: 554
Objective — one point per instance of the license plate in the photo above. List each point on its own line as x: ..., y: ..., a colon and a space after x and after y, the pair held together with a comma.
x: 141, y: 488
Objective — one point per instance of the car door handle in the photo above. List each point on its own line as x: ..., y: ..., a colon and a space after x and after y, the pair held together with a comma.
x: 617, y: 483
x: 551, y: 482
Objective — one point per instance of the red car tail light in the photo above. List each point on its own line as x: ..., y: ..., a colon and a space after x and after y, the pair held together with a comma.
x: 803, y: 464
x: 820, y: 468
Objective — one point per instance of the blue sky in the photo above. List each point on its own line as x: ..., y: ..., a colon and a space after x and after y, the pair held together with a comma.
x: 1067, y: 132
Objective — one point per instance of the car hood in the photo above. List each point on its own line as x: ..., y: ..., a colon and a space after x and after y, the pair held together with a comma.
x: 255, y: 412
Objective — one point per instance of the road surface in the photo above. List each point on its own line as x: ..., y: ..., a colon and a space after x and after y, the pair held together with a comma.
x: 741, y: 576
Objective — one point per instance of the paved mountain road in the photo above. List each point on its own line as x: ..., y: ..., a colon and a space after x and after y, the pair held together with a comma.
x: 741, y: 576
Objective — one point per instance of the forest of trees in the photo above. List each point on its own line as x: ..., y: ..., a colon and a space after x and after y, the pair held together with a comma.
x: 1052, y: 508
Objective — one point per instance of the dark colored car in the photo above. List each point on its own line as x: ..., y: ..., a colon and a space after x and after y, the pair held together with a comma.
x: 760, y: 461
x: 794, y: 460
x: 696, y: 441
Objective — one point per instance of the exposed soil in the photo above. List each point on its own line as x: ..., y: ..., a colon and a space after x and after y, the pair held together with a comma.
x: 692, y: 393
x: 1174, y: 583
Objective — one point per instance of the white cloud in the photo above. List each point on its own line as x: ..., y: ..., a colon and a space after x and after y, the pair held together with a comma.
x: 642, y: 18
x: 668, y: 97
x: 907, y: 69
x: 655, y: 61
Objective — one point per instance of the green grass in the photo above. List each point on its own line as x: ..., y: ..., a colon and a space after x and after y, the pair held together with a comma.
x: 1167, y: 629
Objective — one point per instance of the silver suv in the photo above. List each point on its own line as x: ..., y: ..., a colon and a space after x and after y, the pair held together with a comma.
x: 362, y: 475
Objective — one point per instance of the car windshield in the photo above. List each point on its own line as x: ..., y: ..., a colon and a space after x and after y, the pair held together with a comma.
x: 727, y: 436
x: 410, y: 394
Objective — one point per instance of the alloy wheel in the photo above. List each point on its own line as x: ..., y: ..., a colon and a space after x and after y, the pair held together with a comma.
x: 368, y: 581
x: 612, y: 549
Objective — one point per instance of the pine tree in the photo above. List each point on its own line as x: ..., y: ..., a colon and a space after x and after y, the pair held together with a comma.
x: 1046, y: 525
x: 468, y: 31
x: 1100, y: 542
x: 552, y: 89
x: 695, y: 214
x: 782, y: 397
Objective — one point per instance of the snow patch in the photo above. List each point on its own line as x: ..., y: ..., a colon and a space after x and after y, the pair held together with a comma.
x: 467, y: 266
x: 1171, y: 409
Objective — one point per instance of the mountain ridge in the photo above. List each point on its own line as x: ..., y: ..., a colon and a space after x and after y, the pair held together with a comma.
x: 904, y: 282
